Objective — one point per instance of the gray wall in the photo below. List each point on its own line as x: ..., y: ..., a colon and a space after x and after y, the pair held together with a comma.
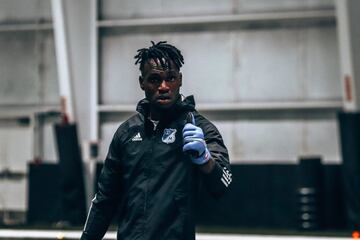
x: 125, y: 9
x: 237, y: 64
x: 224, y: 64
x: 28, y: 83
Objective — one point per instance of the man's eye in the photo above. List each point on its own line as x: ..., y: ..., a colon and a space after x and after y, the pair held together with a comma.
x: 154, y: 80
x: 172, y: 78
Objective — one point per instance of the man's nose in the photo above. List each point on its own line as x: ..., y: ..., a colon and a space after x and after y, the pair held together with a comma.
x: 163, y: 87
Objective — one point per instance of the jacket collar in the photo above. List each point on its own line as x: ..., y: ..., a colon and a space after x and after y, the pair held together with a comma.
x: 181, y: 106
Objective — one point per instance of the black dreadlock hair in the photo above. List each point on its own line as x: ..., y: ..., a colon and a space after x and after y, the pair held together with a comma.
x: 162, y: 51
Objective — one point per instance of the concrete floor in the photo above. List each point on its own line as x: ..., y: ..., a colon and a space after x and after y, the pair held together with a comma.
x: 7, y: 234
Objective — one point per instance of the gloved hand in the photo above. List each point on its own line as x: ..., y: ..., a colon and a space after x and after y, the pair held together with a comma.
x: 194, y: 144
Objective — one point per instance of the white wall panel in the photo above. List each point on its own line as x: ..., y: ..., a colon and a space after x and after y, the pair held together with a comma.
x: 321, y: 138
x: 245, y: 65
x: 27, y: 76
x: 13, y: 195
x: 15, y: 147
x: 27, y: 68
x: 207, y: 72
x: 18, y: 52
x: 47, y: 69
x: 281, y: 5
x: 321, y: 64
x: 268, y: 141
x: 50, y: 148
x: 107, y: 132
x: 114, y: 9
x: 25, y: 11
x: 268, y: 59
x: 282, y: 141
x: 119, y: 76
x: 296, y: 64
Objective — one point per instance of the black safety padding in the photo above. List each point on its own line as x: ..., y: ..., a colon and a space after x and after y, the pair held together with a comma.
x: 260, y: 196
x: 310, y: 172
x: 334, y: 207
x: 264, y: 196
x: 44, y: 195
x: 71, y: 174
x: 350, y: 145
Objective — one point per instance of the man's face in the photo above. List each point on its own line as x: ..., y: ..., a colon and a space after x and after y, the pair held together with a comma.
x: 161, y: 85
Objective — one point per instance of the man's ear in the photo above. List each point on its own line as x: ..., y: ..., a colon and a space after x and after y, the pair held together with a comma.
x: 141, y: 82
x: 180, y: 79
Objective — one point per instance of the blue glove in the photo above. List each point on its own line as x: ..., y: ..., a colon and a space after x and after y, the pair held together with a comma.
x: 195, y: 144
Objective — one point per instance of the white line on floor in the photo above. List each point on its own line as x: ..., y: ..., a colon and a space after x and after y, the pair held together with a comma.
x: 59, y: 234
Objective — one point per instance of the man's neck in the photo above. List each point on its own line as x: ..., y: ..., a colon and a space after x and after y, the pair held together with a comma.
x: 158, y: 114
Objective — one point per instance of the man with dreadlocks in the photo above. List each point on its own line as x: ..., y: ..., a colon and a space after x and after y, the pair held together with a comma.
x: 158, y: 159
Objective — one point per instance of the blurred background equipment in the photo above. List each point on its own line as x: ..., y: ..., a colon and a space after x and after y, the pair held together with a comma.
x: 310, y: 193
x: 44, y: 194
x: 73, y: 204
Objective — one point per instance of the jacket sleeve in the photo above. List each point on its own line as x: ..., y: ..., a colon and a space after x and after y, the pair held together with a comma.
x: 106, y: 200
x: 219, y: 179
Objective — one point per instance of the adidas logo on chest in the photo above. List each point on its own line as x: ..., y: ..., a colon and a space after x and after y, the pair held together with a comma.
x: 137, y: 138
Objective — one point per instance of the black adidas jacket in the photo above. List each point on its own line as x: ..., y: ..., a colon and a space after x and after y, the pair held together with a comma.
x: 153, y: 182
